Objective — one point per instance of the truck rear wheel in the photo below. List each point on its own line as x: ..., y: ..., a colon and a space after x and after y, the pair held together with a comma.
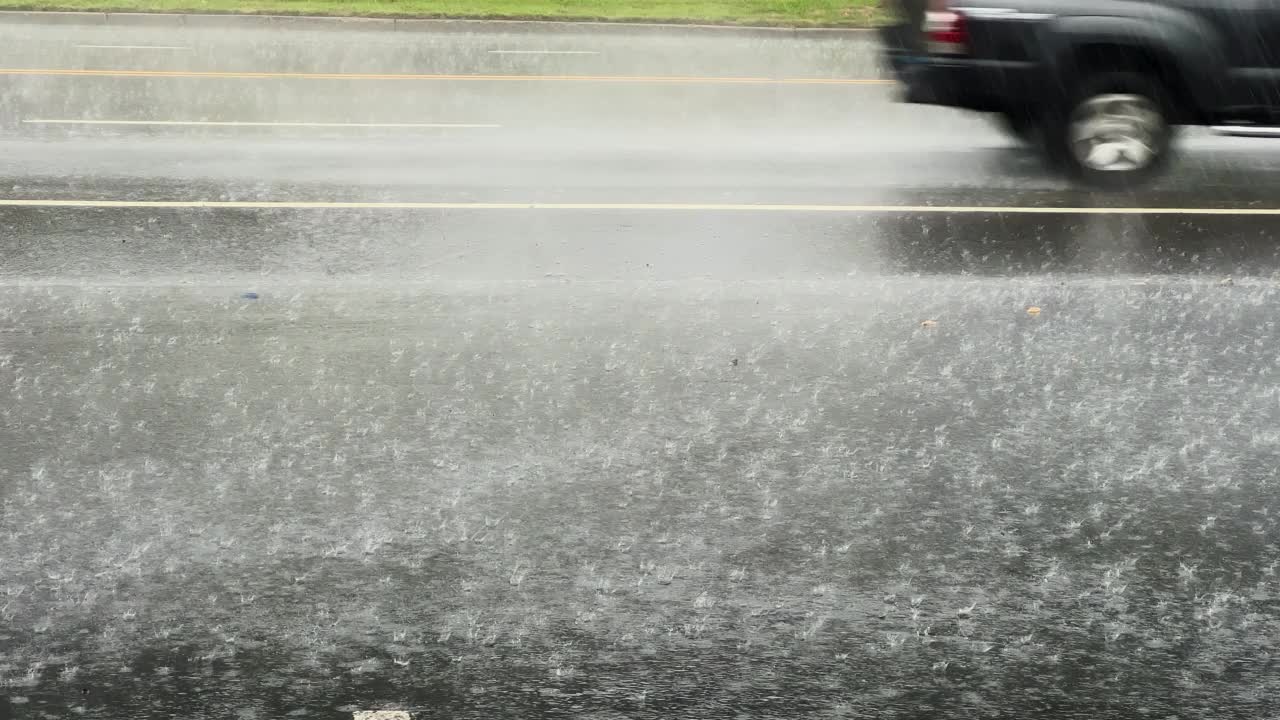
x: 1115, y: 131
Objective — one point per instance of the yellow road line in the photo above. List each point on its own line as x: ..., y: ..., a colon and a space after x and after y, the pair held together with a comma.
x: 132, y: 47
x: 240, y: 123
x: 669, y: 79
x: 640, y: 207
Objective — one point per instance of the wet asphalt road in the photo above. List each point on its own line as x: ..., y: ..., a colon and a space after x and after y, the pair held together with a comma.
x: 613, y: 462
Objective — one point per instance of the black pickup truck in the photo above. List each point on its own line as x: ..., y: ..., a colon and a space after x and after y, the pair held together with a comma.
x: 1100, y: 83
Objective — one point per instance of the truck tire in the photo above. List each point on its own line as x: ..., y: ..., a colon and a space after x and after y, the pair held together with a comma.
x: 1115, y: 130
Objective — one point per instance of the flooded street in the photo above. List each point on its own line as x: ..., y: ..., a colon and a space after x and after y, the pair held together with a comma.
x: 622, y: 390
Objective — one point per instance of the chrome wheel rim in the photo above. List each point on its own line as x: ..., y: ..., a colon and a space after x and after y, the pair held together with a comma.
x: 1116, y: 132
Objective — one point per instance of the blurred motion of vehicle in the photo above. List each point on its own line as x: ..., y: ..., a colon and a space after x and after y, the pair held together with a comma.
x: 1100, y: 84
x: 903, y: 40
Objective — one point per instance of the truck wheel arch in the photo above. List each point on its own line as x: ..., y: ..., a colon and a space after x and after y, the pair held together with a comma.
x: 1184, y: 60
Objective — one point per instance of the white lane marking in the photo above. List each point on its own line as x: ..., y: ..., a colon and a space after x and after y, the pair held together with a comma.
x: 642, y: 207
x: 211, y: 123
x: 543, y: 52
x: 381, y: 715
x: 133, y: 47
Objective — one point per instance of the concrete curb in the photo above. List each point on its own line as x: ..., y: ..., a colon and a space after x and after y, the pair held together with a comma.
x: 422, y: 25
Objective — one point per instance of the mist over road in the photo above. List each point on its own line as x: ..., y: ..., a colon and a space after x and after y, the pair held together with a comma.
x: 579, y: 374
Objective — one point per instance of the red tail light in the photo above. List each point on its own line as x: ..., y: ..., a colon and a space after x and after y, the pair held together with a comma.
x: 946, y: 32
